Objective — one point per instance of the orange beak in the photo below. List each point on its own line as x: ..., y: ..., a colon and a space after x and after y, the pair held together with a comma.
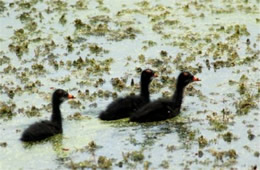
x: 70, y: 96
x: 155, y: 75
x: 196, y: 78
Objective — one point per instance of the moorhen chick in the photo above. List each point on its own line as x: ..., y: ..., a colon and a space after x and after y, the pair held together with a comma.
x: 163, y: 109
x: 47, y: 128
x: 122, y: 107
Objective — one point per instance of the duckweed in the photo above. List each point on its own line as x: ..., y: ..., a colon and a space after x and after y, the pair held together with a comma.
x: 83, y: 53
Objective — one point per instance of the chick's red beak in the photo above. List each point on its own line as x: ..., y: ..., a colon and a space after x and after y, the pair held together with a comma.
x: 70, y: 96
x: 196, y: 78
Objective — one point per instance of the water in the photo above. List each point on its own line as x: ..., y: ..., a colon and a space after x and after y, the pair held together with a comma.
x: 193, y: 32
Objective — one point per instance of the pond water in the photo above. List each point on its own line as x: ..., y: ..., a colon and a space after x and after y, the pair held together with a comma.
x: 93, y: 49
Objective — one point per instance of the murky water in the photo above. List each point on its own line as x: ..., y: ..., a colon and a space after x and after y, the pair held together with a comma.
x: 80, y: 46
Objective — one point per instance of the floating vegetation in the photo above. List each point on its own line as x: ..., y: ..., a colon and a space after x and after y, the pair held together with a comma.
x: 2, y: 7
x: 63, y: 19
x: 228, y: 137
x: 82, y: 165
x: 245, y: 104
x: 32, y: 86
x: 136, y: 156
x: 97, y: 50
x: 32, y: 26
x: 256, y: 154
x: 7, y: 110
x: 77, y: 116
x: 150, y: 43
x: 3, y: 144
x: 220, y: 155
x: 98, y: 26
x: 75, y: 104
x: 4, y: 60
x: 165, y: 164
x: 102, y: 163
x: 81, y: 5
x: 91, y: 147
x: 118, y: 83
x: 251, y: 136
x: 220, y: 122
x: 38, y: 67
x: 33, y: 111
x: 202, y: 142
x: 25, y: 17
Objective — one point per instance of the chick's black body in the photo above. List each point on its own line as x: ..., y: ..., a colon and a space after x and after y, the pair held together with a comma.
x: 41, y: 130
x: 163, y: 109
x: 156, y: 111
x: 44, y: 129
x: 122, y: 107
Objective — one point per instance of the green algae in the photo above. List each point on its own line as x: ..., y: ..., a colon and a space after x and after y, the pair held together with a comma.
x: 200, y: 36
